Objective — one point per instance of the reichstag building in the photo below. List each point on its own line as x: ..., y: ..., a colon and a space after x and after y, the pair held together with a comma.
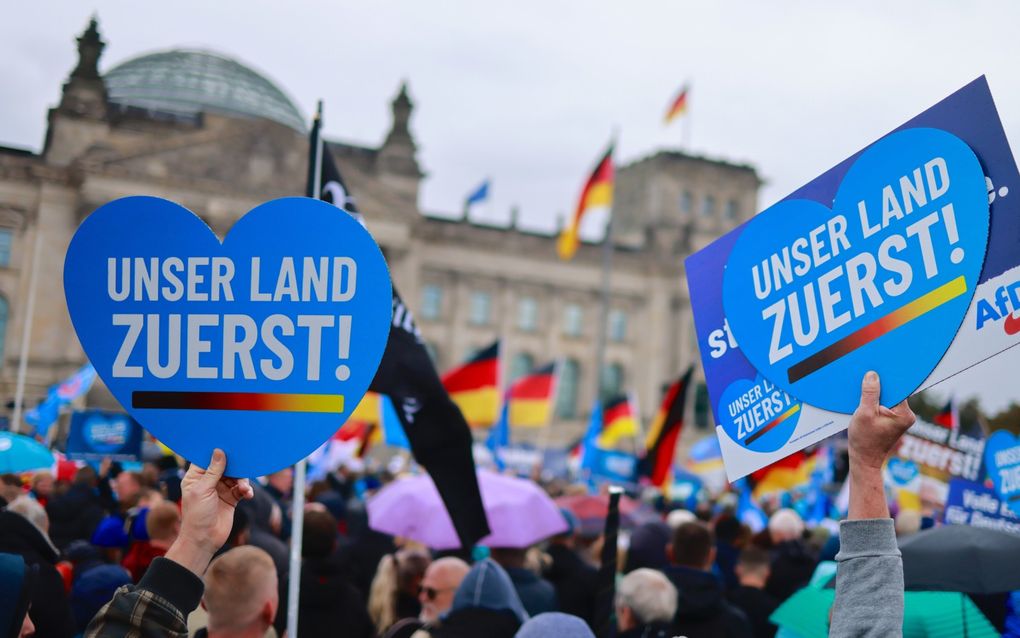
x: 210, y: 133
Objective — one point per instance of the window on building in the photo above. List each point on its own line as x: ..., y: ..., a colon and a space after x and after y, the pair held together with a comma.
x: 708, y: 206
x: 573, y: 320
x: 611, y: 383
x: 432, y: 301
x: 6, y: 237
x: 481, y: 308
x: 686, y: 202
x: 617, y: 325
x: 566, y: 392
x: 520, y: 365
x: 732, y: 209
x: 527, y: 314
x: 3, y: 327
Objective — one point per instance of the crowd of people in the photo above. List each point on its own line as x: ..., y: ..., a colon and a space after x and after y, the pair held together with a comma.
x: 167, y: 552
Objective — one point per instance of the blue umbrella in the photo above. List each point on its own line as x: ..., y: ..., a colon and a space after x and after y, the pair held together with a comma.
x: 20, y: 453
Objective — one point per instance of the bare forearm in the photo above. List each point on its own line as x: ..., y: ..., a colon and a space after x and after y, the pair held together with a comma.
x: 867, y: 492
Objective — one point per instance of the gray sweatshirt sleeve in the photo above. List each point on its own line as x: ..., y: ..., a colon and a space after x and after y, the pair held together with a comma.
x: 869, y: 581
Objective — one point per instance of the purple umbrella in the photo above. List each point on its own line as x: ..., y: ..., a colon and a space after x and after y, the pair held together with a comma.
x: 520, y: 513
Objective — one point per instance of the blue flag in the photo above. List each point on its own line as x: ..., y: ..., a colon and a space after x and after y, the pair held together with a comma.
x: 45, y: 414
x: 480, y: 194
x: 589, y: 446
x: 499, y: 435
x: 393, y: 432
x: 748, y: 511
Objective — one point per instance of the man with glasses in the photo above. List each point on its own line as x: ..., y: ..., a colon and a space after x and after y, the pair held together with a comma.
x: 438, y: 587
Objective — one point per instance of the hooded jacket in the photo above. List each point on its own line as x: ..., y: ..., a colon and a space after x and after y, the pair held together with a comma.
x: 486, y: 604
x: 51, y: 611
x: 702, y: 610
x: 15, y: 591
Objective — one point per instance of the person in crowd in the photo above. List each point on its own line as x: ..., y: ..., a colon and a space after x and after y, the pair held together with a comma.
x: 23, y: 526
x: 328, y: 600
x: 127, y: 487
x: 647, y: 548
x: 440, y: 583
x: 162, y: 525
x: 645, y: 605
x: 266, y: 521
x: 241, y: 598
x: 728, y: 541
x: 172, y: 587
x: 536, y: 594
x: 752, y: 571
x: 76, y: 513
x: 16, y: 584
x: 555, y: 625
x: 42, y: 487
x: 702, y: 610
x: 94, y: 581
x: 678, y: 517
x: 394, y: 592
x: 793, y: 562
x: 279, y: 485
x: 112, y: 539
x: 11, y: 488
x: 869, y: 576
x: 486, y: 604
x: 573, y: 578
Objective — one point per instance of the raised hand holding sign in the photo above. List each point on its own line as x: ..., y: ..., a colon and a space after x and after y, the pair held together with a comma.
x: 260, y: 346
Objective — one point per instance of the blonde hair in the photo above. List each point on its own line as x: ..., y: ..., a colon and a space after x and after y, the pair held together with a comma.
x: 161, y: 522
x: 237, y: 586
x: 396, y: 571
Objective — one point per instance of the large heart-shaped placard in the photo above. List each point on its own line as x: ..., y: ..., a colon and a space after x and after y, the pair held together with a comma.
x: 261, y: 345
x: 1002, y: 461
x: 816, y: 297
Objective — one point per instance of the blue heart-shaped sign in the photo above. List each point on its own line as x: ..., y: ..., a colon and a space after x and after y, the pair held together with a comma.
x: 261, y: 345
x: 757, y: 414
x: 1002, y: 461
x: 816, y: 297
x: 902, y: 471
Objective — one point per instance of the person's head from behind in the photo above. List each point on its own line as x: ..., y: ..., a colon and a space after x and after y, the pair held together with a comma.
x: 693, y: 546
x: 786, y: 525
x: 10, y: 486
x: 241, y: 593
x: 319, y: 537
x: 753, y: 567
x: 86, y: 476
x: 441, y: 580
x: 163, y: 523
x: 643, y: 597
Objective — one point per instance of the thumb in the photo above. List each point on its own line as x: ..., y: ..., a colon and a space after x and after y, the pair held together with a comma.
x: 870, y: 390
x: 217, y: 465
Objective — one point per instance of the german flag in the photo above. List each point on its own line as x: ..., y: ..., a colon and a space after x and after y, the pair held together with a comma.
x: 597, y: 193
x: 619, y: 420
x: 531, y: 398
x: 660, y: 444
x: 474, y: 387
x: 948, y: 417
x: 678, y: 106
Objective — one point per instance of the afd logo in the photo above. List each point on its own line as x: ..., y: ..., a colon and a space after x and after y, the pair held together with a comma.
x: 1004, y: 304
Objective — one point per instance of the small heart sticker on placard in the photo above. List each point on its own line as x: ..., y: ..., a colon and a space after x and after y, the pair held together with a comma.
x: 816, y: 297
x: 261, y: 345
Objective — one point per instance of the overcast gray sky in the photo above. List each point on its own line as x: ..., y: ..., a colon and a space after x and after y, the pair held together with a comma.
x: 528, y: 93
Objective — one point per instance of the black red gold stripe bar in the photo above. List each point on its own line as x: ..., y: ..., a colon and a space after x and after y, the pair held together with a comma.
x: 253, y: 401
x: 794, y: 409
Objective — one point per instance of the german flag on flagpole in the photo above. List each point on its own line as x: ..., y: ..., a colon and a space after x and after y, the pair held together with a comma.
x: 531, y: 398
x: 474, y: 387
x: 597, y: 193
x: 619, y: 421
x: 660, y: 445
x: 677, y: 107
x: 948, y: 417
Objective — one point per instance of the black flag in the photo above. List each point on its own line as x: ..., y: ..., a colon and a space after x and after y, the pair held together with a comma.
x: 439, y: 435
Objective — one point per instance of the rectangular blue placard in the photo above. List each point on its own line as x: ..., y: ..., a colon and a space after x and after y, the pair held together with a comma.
x: 971, y: 503
x: 99, y: 434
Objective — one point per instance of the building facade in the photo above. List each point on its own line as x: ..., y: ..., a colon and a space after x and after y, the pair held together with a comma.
x: 219, y: 138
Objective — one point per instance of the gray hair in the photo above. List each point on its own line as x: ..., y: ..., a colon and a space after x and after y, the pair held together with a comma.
x: 648, y: 594
x: 30, y: 508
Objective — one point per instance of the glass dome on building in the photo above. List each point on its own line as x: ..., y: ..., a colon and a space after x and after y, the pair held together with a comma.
x: 187, y: 82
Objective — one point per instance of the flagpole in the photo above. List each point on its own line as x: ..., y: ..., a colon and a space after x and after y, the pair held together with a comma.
x: 26, y: 331
x: 607, y: 268
x: 297, y: 515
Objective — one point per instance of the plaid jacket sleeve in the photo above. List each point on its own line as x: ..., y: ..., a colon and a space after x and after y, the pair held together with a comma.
x: 157, y: 606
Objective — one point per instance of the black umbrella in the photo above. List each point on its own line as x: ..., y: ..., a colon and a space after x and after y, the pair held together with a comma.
x: 975, y: 560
